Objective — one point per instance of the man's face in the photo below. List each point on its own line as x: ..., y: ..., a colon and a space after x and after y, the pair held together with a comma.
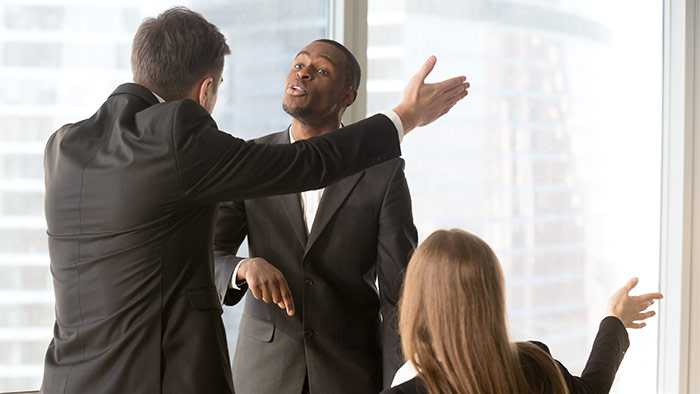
x: 316, y: 87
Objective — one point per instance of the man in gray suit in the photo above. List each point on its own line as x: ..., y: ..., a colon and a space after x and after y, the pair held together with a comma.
x: 329, y: 246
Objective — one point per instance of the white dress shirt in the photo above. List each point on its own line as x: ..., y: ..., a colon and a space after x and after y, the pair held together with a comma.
x: 309, y: 199
x: 160, y: 99
x: 312, y: 198
x: 404, y: 374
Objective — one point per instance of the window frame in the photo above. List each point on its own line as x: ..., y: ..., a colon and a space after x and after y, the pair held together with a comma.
x: 348, y: 25
x: 679, y: 318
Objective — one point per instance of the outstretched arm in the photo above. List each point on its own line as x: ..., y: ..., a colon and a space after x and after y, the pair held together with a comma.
x: 213, y: 166
x: 612, y: 341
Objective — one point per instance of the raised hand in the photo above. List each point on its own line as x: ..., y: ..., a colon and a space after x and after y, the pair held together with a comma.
x: 422, y: 103
x: 631, y: 309
x: 266, y: 283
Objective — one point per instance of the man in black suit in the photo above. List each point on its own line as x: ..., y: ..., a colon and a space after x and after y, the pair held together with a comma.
x: 330, y: 244
x: 131, y: 197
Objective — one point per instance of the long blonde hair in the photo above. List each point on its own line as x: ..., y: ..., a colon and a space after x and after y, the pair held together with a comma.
x: 453, y: 322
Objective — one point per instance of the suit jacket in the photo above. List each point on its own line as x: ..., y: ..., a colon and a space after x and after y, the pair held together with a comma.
x: 131, y: 196
x: 363, y: 230
x: 609, y: 348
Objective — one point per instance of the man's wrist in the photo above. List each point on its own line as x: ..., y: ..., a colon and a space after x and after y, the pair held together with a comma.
x: 238, y: 277
x: 239, y: 274
x: 406, y: 118
x: 616, y: 316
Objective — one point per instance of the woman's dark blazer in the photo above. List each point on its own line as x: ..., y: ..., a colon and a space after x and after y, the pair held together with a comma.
x: 609, y: 348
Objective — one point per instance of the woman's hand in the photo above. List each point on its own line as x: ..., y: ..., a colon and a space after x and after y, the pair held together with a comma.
x: 631, y: 309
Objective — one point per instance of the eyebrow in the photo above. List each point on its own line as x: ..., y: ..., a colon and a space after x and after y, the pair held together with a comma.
x: 320, y: 55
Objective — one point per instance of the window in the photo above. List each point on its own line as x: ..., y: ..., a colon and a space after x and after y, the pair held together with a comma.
x: 554, y: 158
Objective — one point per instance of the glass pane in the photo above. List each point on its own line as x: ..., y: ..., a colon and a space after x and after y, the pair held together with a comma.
x: 554, y: 158
x: 263, y: 39
x: 59, y: 61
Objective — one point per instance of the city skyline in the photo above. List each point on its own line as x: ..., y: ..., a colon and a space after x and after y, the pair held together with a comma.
x: 539, y: 195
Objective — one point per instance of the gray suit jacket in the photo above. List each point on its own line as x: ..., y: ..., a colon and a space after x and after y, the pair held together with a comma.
x: 131, y: 196
x: 344, y: 334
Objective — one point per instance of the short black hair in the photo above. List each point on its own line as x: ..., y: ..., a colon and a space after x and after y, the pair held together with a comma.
x: 353, y: 72
x: 172, y: 51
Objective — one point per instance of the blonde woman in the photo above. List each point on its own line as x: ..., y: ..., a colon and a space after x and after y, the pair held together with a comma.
x: 453, y: 328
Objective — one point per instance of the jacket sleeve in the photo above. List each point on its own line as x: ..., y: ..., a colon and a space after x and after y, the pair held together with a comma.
x: 230, y: 231
x: 397, y: 237
x: 605, y: 358
x: 214, y: 166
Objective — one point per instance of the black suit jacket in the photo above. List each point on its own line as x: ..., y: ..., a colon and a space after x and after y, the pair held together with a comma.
x: 131, y: 197
x: 609, y: 348
x: 363, y: 230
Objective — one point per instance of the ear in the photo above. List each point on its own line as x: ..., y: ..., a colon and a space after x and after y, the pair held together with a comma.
x: 206, y: 91
x: 349, y: 97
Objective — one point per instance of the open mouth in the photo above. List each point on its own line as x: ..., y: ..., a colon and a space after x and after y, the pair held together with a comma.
x: 296, y: 90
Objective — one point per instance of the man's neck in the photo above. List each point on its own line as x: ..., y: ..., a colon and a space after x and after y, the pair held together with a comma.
x: 302, y: 131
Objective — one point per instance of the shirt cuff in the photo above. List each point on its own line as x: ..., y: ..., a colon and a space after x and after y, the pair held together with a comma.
x: 396, y: 120
x: 236, y: 285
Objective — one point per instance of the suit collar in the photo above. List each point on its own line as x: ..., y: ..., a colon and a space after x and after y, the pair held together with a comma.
x: 136, y: 90
x: 282, y: 137
x: 290, y: 135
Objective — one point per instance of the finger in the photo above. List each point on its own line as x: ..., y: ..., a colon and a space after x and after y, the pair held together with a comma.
x: 646, y: 304
x: 255, y: 289
x: 455, y: 94
x: 644, y: 315
x: 636, y: 325
x: 443, y: 110
x: 426, y: 68
x: 448, y: 84
x: 275, y: 293
x: 266, y: 297
x: 649, y: 297
x: 454, y: 100
x: 631, y: 284
x: 287, y: 299
x: 444, y: 107
x: 456, y: 90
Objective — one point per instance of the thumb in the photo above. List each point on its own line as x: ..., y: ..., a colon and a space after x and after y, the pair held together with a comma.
x: 426, y: 68
x: 631, y: 284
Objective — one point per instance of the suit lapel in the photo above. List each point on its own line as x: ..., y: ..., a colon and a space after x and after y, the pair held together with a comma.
x: 292, y: 206
x: 333, y: 197
x: 291, y: 202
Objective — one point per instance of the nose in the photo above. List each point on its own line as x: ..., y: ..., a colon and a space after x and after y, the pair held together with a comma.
x: 304, y: 74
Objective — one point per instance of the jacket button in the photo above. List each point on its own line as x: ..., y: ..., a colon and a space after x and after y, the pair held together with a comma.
x: 308, y: 281
x: 308, y: 333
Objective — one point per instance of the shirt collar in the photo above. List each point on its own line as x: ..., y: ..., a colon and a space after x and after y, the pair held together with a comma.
x: 160, y: 99
x: 291, y: 135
